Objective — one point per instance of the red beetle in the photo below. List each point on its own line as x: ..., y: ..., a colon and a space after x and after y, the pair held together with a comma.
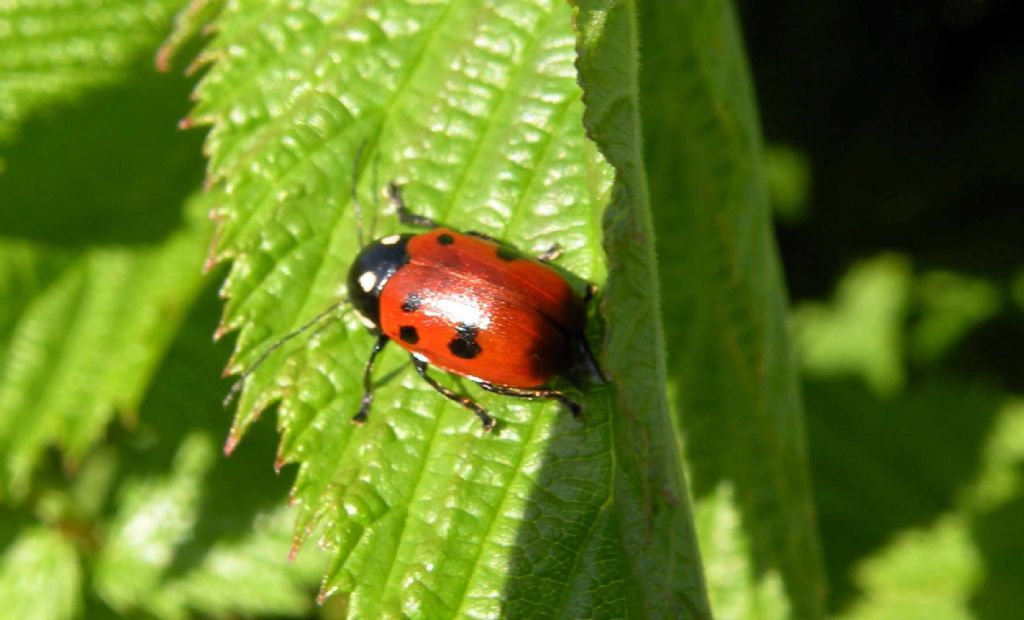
x: 472, y: 306
x: 469, y: 305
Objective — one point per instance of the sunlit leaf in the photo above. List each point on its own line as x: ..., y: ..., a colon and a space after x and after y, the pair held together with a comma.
x: 475, y: 109
x: 41, y: 576
x: 861, y: 332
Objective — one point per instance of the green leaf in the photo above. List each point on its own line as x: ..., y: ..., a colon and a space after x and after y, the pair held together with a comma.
x: 81, y: 334
x: 186, y: 531
x: 931, y: 527
x: 190, y: 531
x: 735, y: 387
x: 55, y: 51
x: 156, y: 515
x: 476, y: 110
x: 101, y: 255
x: 965, y: 563
x: 951, y: 305
x: 650, y: 490
x: 40, y: 576
x: 862, y: 332
x: 97, y: 260
x: 923, y: 574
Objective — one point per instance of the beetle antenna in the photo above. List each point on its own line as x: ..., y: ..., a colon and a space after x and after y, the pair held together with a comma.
x: 237, y: 386
x: 356, y: 208
x: 375, y: 194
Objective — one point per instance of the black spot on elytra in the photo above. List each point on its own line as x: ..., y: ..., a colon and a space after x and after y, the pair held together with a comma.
x: 464, y: 343
x: 408, y: 334
x: 445, y: 239
x: 412, y: 302
x: 507, y: 254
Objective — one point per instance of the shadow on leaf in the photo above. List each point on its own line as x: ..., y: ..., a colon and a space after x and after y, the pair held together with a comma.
x: 997, y: 535
x: 185, y: 399
x: 110, y: 167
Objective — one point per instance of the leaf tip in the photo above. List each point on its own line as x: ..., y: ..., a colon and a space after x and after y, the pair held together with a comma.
x: 194, y: 66
x: 163, y: 57
x: 218, y: 333
x: 296, y: 547
x: 231, y: 442
x: 212, y: 259
x: 325, y: 593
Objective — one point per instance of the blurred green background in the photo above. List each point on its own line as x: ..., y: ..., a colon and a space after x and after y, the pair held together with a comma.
x: 894, y: 133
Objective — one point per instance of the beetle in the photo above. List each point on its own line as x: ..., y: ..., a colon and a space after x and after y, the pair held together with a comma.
x: 472, y: 306
x: 468, y: 304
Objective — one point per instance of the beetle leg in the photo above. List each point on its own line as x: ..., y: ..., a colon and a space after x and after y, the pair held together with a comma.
x: 468, y: 403
x: 550, y: 254
x: 584, y: 345
x: 406, y: 216
x: 574, y: 408
x: 364, y: 408
x: 484, y: 236
x: 589, y: 294
x: 591, y: 362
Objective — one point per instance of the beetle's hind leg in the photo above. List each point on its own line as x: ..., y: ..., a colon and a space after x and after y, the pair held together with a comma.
x: 406, y: 216
x: 532, y: 394
x: 585, y: 352
x: 465, y: 401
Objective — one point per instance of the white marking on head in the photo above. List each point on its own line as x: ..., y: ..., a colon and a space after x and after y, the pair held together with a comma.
x: 367, y: 281
x: 365, y: 321
x: 391, y: 240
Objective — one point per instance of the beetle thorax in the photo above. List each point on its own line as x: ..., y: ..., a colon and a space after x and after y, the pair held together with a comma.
x: 371, y: 270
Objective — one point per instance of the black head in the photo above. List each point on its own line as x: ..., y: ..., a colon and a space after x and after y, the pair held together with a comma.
x: 370, y: 271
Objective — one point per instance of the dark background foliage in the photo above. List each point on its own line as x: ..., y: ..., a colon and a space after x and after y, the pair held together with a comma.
x: 907, y: 116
